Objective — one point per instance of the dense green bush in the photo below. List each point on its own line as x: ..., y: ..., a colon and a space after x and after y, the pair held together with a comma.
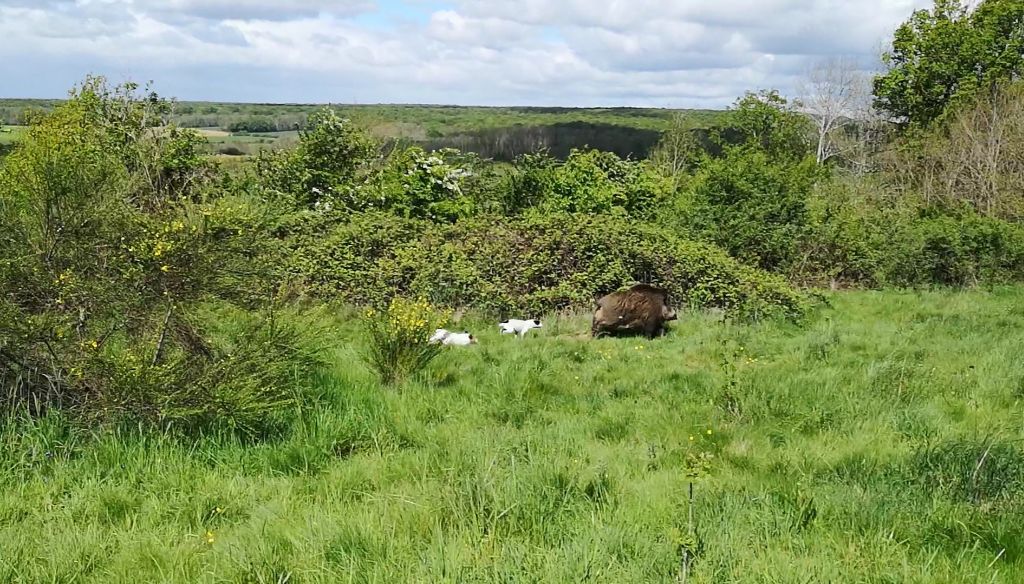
x: 753, y: 207
x: 961, y: 249
x: 531, y: 264
x: 332, y: 158
x: 588, y: 181
x: 421, y: 185
x: 840, y: 243
x: 748, y: 190
x: 862, y: 243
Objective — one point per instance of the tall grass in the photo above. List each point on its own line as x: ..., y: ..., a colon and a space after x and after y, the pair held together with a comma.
x: 881, y: 442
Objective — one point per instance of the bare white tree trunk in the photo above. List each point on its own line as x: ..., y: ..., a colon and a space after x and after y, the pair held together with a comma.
x: 834, y: 92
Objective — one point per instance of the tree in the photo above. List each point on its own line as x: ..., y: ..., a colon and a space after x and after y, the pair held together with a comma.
x: 332, y: 158
x: 589, y: 181
x: 678, y: 151
x: 423, y: 185
x: 753, y: 207
x: 751, y: 198
x: 975, y: 158
x: 834, y: 92
x: 944, y: 56
x: 770, y: 123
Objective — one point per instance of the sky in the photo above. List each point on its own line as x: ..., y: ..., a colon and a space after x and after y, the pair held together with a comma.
x: 588, y: 53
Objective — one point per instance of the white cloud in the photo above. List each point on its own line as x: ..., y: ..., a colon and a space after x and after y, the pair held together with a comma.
x: 212, y: 9
x: 572, y: 52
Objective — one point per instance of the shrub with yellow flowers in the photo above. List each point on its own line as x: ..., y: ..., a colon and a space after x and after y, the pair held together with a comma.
x: 116, y: 245
x: 398, y: 338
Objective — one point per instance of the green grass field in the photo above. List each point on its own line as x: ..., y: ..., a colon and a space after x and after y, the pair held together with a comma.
x: 880, y: 442
x: 247, y: 144
x: 10, y: 134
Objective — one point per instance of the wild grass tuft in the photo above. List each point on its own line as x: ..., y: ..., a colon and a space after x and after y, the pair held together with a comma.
x: 979, y: 471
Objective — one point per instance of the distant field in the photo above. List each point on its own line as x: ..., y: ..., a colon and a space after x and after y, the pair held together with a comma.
x: 435, y: 120
x: 211, y: 133
x: 498, y: 132
x: 243, y: 143
x: 10, y: 134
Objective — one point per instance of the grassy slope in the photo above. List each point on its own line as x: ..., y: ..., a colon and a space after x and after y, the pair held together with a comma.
x: 560, y: 459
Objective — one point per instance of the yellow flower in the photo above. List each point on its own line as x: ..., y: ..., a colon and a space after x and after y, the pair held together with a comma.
x: 93, y: 344
x: 209, y: 537
x: 709, y: 432
x: 691, y: 438
x: 165, y: 268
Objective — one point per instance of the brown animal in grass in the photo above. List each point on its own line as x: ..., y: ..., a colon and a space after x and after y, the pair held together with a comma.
x: 640, y: 310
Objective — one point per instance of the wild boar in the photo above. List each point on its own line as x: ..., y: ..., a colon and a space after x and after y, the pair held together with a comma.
x: 640, y: 310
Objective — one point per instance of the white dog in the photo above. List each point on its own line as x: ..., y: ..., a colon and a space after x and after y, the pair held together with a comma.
x: 449, y: 338
x: 518, y: 327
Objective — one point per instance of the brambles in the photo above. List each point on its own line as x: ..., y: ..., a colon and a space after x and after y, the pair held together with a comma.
x: 533, y: 264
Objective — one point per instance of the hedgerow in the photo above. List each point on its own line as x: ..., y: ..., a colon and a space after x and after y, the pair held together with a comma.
x: 532, y: 264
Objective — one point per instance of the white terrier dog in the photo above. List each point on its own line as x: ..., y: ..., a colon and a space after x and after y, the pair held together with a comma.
x: 449, y: 338
x: 518, y: 327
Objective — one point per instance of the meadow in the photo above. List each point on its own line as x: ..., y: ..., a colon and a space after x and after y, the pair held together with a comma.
x: 184, y: 394
x: 880, y: 441
x: 9, y: 135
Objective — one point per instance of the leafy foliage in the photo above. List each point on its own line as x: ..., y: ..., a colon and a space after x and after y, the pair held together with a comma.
x: 751, y: 198
x: 768, y: 122
x: 421, y: 185
x: 960, y: 249
x: 945, y: 56
x: 588, y: 181
x: 331, y: 157
x: 753, y: 208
